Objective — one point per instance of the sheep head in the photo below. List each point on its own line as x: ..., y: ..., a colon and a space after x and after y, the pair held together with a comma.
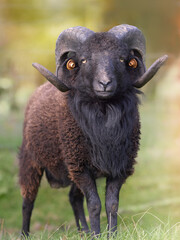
x: 104, y: 64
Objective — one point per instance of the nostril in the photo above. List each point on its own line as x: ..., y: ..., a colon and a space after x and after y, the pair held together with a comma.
x: 104, y: 83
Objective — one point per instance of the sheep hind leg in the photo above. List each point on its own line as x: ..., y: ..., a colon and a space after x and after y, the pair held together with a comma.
x: 76, y: 198
x: 29, y: 182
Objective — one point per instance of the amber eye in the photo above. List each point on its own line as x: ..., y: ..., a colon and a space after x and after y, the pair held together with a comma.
x: 84, y: 61
x: 70, y: 64
x: 133, y: 63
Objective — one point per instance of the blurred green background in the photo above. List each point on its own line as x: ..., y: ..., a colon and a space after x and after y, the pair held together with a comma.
x: 29, y: 30
x: 28, y: 33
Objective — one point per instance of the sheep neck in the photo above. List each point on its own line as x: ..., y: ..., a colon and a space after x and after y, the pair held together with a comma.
x: 112, y: 130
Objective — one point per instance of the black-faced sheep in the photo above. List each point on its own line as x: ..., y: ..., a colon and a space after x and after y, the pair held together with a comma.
x: 90, y: 130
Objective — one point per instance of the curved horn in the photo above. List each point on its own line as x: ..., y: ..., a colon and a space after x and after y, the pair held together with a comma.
x: 132, y: 36
x: 136, y: 41
x: 51, y: 77
x: 71, y: 40
x: 150, y: 72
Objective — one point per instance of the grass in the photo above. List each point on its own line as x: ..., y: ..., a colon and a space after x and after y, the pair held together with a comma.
x: 149, y: 201
x: 129, y: 229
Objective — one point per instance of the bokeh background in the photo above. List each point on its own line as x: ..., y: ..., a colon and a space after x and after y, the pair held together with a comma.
x: 28, y: 33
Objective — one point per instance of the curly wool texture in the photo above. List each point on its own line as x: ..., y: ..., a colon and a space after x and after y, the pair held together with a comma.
x: 51, y: 141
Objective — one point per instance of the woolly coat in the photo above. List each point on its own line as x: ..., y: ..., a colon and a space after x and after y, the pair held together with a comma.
x: 62, y: 146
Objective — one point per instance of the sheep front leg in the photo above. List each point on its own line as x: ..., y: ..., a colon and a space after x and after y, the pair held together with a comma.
x: 94, y: 209
x: 88, y: 186
x: 112, y: 201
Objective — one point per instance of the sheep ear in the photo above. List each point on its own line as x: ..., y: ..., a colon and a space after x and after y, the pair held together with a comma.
x: 51, y: 77
x: 149, y: 74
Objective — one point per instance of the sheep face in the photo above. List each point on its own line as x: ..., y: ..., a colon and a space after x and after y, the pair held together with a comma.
x: 101, y: 67
x: 105, y: 63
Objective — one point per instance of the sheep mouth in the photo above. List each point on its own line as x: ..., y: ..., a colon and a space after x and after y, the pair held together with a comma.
x: 104, y: 94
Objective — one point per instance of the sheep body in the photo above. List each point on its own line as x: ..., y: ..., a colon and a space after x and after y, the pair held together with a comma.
x: 54, y: 142
x: 91, y: 130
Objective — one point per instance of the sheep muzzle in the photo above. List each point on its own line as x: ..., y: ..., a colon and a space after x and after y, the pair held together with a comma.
x: 104, y: 86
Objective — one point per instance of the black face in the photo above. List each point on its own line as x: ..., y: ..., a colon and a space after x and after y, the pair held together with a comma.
x: 103, y: 67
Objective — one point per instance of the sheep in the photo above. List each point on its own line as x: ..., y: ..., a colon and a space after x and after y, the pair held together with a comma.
x: 84, y: 123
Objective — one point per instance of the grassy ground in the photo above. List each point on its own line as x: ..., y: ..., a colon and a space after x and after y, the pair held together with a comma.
x: 149, y: 201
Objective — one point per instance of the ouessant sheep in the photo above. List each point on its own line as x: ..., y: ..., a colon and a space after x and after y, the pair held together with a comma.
x: 85, y: 124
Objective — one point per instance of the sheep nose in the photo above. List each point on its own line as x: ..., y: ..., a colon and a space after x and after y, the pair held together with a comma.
x: 105, y: 83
